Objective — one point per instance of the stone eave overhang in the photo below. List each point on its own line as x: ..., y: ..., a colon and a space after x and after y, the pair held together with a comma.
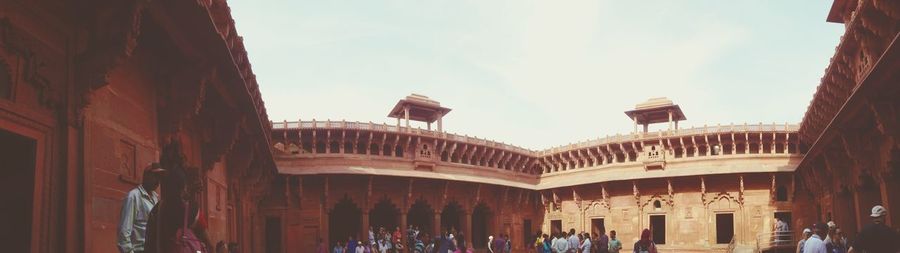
x: 211, y: 21
x: 870, y: 85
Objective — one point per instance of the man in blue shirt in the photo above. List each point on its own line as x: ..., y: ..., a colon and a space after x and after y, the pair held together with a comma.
x: 136, y: 210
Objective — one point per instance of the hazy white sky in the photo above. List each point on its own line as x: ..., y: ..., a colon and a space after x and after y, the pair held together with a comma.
x: 538, y: 73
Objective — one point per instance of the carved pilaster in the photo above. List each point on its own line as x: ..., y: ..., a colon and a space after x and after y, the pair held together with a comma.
x: 741, y: 193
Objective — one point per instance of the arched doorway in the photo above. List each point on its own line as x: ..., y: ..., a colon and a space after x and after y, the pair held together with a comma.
x: 481, y: 219
x: 384, y: 215
x: 344, y: 221
x: 450, y: 217
x: 420, y: 215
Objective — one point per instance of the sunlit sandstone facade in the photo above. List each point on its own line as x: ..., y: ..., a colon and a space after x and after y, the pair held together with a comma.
x: 681, y: 179
x: 840, y: 161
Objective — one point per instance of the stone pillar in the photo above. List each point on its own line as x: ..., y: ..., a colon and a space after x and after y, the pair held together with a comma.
x: 635, y: 125
x: 403, y: 231
x: 843, y: 211
x: 890, y: 199
x: 365, y: 226
x: 406, y: 115
x: 429, y: 125
x: 467, y: 224
x: 437, y: 224
x: 440, y: 123
x: 670, y: 120
x: 323, y: 227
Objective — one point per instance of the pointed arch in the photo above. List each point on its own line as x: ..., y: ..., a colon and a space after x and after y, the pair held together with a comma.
x: 344, y: 220
x: 384, y: 214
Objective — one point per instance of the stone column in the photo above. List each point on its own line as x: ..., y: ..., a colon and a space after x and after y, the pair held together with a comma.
x: 323, y: 227
x: 890, y: 199
x: 403, y: 232
x: 635, y: 124
x: 437, y: 224
x: 440, y: 123
x: 365, y: 225
x: 406, y: 115
x: 670, y: 119
x: 467, y: 224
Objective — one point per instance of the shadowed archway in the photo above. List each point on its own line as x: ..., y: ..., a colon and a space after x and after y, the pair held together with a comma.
x: 344, y: 221
x: 420, y: 215
x: 450, y: 217
x: 481, y: 220
x: 385, y: 214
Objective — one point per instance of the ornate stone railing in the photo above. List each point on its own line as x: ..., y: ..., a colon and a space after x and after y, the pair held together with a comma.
x: 655, y: 149
x: 425, y: 147
x: 677, y: 132
x: 428, y: 148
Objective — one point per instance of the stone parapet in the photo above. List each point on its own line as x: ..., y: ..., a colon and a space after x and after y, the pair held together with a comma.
x: 340, y: 147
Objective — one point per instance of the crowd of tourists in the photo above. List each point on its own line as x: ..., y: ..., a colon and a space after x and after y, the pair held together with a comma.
x: 571, y: 242
x: 173, y: 222
x: 382, y: 241
x: 875, y: 237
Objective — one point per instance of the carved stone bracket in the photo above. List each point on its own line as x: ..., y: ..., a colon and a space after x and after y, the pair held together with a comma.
x: 605, y: 201
x: 636, y: 193
x: 577, y: 199
x: 703, y: 190
x: 671, y: 192
x: 885, y: 115
x: 117, y: 27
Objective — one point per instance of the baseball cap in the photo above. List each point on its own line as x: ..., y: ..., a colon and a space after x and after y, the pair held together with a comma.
x: 807, y: 231
x: 831, y: 224
x: 878, y: 211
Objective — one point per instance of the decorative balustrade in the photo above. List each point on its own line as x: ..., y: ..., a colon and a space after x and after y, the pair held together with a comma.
x: 653, y: 149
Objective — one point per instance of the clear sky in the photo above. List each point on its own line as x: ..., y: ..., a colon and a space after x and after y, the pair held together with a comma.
x: 538, y: 74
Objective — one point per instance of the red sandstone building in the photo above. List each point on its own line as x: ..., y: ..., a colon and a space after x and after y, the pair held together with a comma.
x: 90, y: 92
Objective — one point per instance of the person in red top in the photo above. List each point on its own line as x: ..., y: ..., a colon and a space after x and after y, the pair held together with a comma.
x: 397, y: 239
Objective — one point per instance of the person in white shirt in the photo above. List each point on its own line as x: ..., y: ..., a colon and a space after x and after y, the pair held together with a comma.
x: 574, y: 243
x: 360, y: 248
x: 132, y: 230
x: 815, y: 244
x: 560, y: 245
x: 586, y: 244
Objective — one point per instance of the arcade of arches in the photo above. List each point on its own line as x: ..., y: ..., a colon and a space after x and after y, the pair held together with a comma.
x: 351, y: 211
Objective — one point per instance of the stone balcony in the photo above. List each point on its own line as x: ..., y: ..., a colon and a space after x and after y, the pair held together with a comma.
x: 339, y: 147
